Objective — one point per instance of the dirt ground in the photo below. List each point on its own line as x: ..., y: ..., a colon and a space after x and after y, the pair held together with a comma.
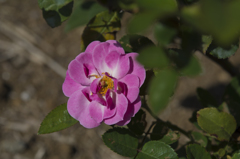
x: 33, y: 62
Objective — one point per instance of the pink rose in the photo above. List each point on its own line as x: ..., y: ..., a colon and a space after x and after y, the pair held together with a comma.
x: 103, y: 84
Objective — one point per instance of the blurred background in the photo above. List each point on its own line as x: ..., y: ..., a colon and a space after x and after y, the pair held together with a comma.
x: 33, y: 63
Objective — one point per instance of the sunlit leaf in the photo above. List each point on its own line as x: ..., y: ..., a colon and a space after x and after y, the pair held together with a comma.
x: 58, y: 119
x: 134, y: 42
x: 138, y: 123
x: 102, y: 27
x: 156, y: 150
x: 195, y: 151
x: 219, y: 124
x: 121, y: 141
x: 161, y: 89
x: 83, y: 12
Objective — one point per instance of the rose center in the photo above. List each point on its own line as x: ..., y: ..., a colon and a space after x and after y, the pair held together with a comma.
x: 105, y: 83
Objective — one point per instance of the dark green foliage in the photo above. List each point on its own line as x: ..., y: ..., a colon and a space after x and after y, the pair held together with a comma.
x: 83, y: 12
x: 232, y: 98
x: 134, y: 42
x: 195, y: 151
x: 55, y: 13
x: 186, y: 64
x: 121, y: 141
x: 157, y: 150
x: 138, y: 123
x: 200, y: 138
x: 161, y: 89
x: 152, y: 57
x: 206, y: 98
x: 102, y: 27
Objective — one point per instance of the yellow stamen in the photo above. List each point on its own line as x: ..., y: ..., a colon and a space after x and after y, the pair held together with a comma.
x: 106, y: 83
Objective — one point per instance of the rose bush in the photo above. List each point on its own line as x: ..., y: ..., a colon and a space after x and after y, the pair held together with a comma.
x: 103, y: 84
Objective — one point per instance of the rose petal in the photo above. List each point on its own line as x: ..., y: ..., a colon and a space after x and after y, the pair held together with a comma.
x: 99, y: 54
x: 96, y: 111
x: 94, y: 87
x: 132, y: 93
x: 112, y: 60
x: 70, y: 86
x: 86, y: 120
x: 136, y: 68
x: 98, y: 98
x: 121, y: 104
x: 110, y: 110
x: 115, y: 46
x: 130, y: 80
x: 122, y: 68
x: 133, y: 108
x: 87, y: 62
x: 77, y: 103
x: 91, y: 46
x: 77, y: 73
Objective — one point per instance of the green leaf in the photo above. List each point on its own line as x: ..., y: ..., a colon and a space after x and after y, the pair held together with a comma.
x: 161, y: 89
x: 187, y: 65
x: 161, y: 7
x: 164, y: 34
x: 206, y: 41
x: 206, y: 98
x: 102, y: 27
x: 170, y: 137
x: 219, y: 124
x: 121, y: 141
x: 55, y: 12
x: 217, y: 18
x: 156, y: 150
x: 236, y: 155
x: 195, y: 151
x: 83, y: 12
x: 58, y: 119
x: 141, y: 22
x: 128, y: 5
x: 134, y: 42
x: 223, y: 53
x: 232, y: 98
x: 153, y: 57
x: 200, y: 138
x: 221, y: 152
x: 159, y: 131
x: 138, y: 123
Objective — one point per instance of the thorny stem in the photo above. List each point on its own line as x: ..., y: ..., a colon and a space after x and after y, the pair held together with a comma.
x: 168, y: 124
x: 144, y: 138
